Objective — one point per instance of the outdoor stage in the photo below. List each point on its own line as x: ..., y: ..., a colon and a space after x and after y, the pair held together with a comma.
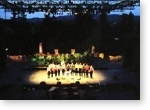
x: 36, y: 77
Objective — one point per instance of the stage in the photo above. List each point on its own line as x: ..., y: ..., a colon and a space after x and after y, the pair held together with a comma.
x: 38, y: 76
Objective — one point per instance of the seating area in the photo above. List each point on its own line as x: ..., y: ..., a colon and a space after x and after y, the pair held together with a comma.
x: 70, y: 92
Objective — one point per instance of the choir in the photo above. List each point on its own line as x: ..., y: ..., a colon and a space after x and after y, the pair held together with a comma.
x: 70, y: 69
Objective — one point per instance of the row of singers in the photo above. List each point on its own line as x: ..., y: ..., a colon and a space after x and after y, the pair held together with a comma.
x: 70, y: 69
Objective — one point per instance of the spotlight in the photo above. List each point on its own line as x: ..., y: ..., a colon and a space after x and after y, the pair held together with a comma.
x: 6, y: 49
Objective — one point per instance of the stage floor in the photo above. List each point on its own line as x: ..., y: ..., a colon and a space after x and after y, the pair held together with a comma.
x: 36, y: 77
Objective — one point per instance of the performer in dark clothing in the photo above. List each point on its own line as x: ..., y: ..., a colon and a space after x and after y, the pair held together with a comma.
x: 83, y: 70
x: 58, y: 69
x: 80, y: 69
x: 76, y: 69
x: 68, y: 69
x: 55, y: 72
x: 48, y: 74
x: 63, y: 69
x: 91, y: 71
x: 72, y: 69
x: 87, y: 68
x: 48, y: 71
